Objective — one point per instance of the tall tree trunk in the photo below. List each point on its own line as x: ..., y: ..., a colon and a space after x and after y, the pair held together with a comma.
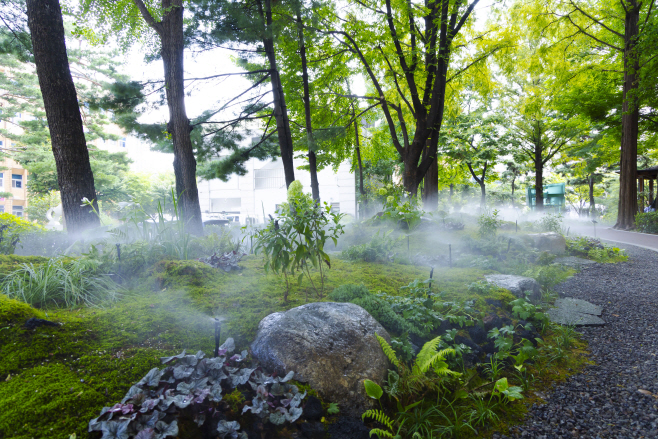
x: 513, y: 181
x: 539, y: 184
x: 629, y: 121
x: 280, y: 109
x: 179, y: 125
x: 358, y: 153
x: 431, y: 187
x: 592, y: 202
x: 312, y: 161
x: 69, y: 145
x: 452, y: 188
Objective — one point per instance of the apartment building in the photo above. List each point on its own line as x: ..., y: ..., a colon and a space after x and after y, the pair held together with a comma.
x: 13, y: 179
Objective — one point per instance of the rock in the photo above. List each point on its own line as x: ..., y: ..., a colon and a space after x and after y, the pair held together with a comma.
x: 548, y: 242
x: 492, y: 321
x: 313, y: 430
x: 478, y: 334
x: 576, y: 312
x: 34, y: 322
x: 517, y: 285
x: 313, y: 409
x: 574, y: 262
x: 579, y: 306
x: 352, y: 428
x: 567, y: 317
x: 331, y: 346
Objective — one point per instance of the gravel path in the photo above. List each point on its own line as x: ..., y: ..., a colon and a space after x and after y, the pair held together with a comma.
x: 603, y: 401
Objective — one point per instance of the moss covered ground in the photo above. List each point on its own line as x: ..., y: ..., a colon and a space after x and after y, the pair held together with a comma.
x: 53, y: 380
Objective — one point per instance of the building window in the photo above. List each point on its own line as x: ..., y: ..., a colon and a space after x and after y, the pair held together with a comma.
x: 2, y: 208
x: 335, y: 207
x: 225, y: 204
x: 16, y: 181
x: 2, y: 181
x: 269, y: 178
x: 2, y: 143
x: 17, y: 211
x: 122, y: 142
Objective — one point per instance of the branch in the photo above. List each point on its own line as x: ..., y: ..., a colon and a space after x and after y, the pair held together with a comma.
x: 397, y: 86
x: 456, y: 30
x: 228, y: 74
x: 592, y: 36
x: 460, y: 71
x: 595, y: 20
x: 648, y: 14
x: 148, y: 17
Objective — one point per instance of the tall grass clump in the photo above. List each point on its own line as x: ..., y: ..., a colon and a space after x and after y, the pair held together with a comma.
x: 60, y: 282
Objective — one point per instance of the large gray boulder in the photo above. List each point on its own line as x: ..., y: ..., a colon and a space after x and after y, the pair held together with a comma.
x: 548, y: 242
x: 576, y: 312
x: 331, y: 346
x: 517, y: 285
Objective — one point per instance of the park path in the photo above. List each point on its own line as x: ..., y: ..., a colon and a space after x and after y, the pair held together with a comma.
x: 606, y: 233
x: 617, y: 396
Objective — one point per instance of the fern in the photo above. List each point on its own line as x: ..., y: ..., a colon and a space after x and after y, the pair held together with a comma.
x: 428, y: 357
x: 380, y: 417
x: 388, y: 351
x: 382, y: 433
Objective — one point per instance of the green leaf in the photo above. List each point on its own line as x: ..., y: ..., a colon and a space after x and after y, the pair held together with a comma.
x: 373, y: 389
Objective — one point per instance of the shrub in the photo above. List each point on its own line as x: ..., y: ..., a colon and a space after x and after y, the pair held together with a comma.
x: 647, y: 222
x: 295, y: 241
x: 399, y: 207
x: 378, y: 249
x: 592, y: 248
x: 12, y: 228
x: 488, y: 224
x: 60, y: 282
x: 551, y: 222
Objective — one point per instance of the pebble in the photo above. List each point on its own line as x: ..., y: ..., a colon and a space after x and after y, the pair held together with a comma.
x: 617, y: 397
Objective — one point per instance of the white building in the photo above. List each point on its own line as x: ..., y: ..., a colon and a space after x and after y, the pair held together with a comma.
x: 263, y: 189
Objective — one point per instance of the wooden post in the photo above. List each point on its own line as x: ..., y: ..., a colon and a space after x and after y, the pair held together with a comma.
x: 641, y: 189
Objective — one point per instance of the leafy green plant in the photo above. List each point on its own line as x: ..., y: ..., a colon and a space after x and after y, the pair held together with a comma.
x: 525, y: 310
x: 333, y: 408
x: 593, y: 248
x: 488, y: 224
x: 61, y: 282
x: 295, y: 242
x: 12, y: 228
x: 194, y: 386
x: 550, y: 222
x: 647, y: 222
x: 399, y: 207
x: 378, y: 249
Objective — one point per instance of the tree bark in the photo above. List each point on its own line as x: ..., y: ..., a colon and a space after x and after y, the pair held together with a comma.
x: 539, y: 185
x: 179, y: 125
x: 452, y: 188
x: 312, y: 160
x: 280, y: 109
x: 358, y: 154
x: 592, y: 202
x: 629, y: 121
x: 74, y: 175
x: 481, y: 182
x: 431, y: 187
x: 513, y: 181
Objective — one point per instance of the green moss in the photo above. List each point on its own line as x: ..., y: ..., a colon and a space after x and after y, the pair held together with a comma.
x: 12, y: 311
x: 9, y: 263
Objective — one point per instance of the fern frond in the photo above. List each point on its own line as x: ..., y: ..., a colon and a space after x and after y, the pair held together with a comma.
x: 388, y: 351
x: 381, y: 433
x: 378, y: 416
x: 426, y: 354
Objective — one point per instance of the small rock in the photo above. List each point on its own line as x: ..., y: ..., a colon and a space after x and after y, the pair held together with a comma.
x: 517, y: 285
x: 313, y: 409
x: 313, y: 430
x: 34, y: 322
